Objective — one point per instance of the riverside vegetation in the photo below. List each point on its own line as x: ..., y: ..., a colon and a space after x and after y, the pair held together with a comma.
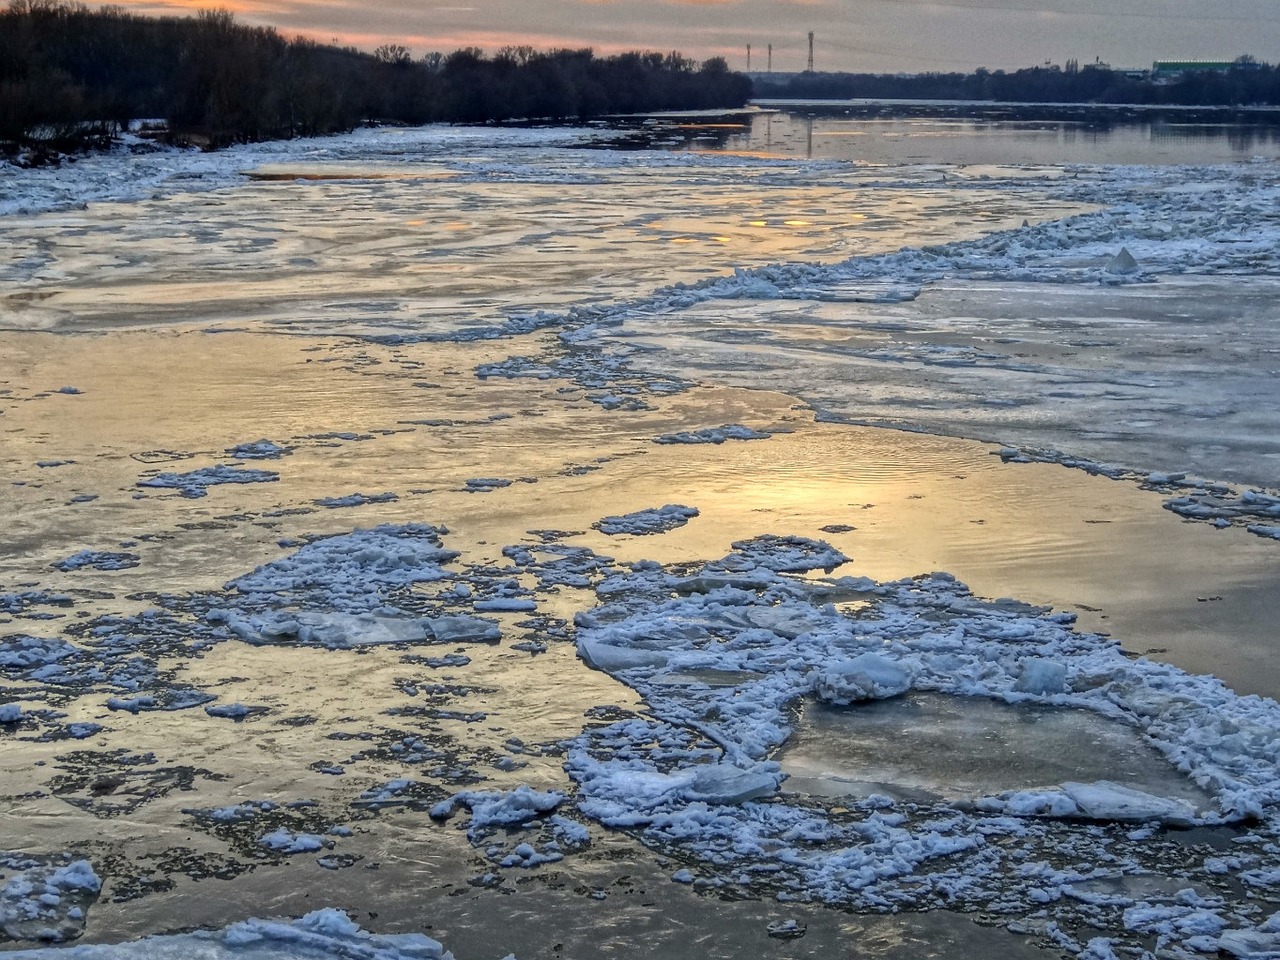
x: 72, y: 77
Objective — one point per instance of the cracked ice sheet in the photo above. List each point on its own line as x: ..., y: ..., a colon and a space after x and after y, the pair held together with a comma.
x: 696, y: 778
x: 575, y: 227
x: 1169, y: 376
x: 1025, y: 336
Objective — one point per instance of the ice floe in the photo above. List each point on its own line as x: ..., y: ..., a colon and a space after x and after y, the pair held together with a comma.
x: 286, y: 841
x: 233, y: 711
x: 346, y: 567
x: 98, y: 560
x: 195, y: 483
x: 486, y: 484
x: 356, y: 500
x: 647, y: 522
x: 1194, y: 498
x: 731, y: 431
x: 48, y: 902
x: 259, y: 450
x: 320, y: 935
x: 489, y: 809
x: 697, y: 775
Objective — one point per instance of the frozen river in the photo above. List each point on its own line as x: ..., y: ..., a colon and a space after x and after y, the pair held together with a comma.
x: 515, y: 540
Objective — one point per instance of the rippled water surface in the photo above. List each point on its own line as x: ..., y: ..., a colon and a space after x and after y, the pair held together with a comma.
x: 1006, y: 134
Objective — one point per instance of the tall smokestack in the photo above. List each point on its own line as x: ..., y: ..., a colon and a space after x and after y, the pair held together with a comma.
x: 810, y: 67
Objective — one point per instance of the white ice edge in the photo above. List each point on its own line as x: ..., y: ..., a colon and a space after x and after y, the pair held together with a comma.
x: 320, y: 935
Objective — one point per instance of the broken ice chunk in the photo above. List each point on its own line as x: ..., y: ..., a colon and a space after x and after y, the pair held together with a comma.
x: 97, y: 560
x: 346, y: 568
x: 785, y: 554
x: 335, y: 631
x: 493, y: 808
x: 286, y: 841
x: 1047, y: 802
x: 646, y: 522
x: 1122, y: 263
x: 1249, y: 944
x: 607, y: 657
x: 233, y: 711
x: 727, y: 784
x: 1041, y: 676
x: 259, y: 450
x: 195, y: 483
x: 48, y: 903
x: 355, y: 500
x: 485, y: 484
x: 1104, y: 800
x: 716, y: 435
x: 463, y: 629
x: 786, y: 930
x: 866, y: 677
x: 506, y: 605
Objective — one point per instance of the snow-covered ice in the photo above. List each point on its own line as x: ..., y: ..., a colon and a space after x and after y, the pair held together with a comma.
x: 320, y: 935
x: 648, y: 522
x: 923, y: 634
x: 195, y: 483
x: 48, y: 903
x: 731, y: 431
x: 98, y: 560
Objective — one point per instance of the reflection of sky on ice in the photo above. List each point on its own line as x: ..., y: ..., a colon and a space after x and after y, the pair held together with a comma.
x: 326, y: 705
x: 468, y: 241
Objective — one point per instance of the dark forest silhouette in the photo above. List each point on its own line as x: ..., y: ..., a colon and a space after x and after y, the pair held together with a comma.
x: 71, y: 78
x: 1244, y: 83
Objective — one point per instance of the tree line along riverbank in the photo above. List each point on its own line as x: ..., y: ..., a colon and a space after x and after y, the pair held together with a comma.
x: 72, y: 77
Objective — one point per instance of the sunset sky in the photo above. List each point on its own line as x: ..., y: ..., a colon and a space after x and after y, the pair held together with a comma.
x: 877, y: 35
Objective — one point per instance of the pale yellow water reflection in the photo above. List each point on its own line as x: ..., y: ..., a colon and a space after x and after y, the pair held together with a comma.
x: 175, y: 401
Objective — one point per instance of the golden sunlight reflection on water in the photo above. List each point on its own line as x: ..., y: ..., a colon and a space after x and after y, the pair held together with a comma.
x: 915, y: 503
